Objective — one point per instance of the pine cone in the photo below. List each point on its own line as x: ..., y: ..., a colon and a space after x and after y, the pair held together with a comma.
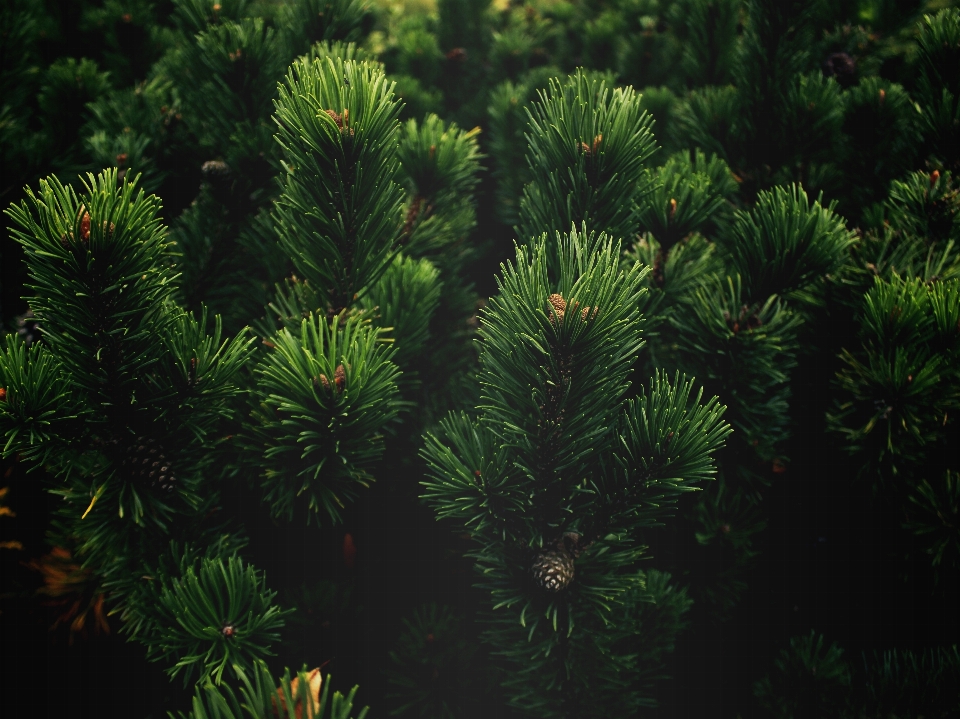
x: 145, y: 463
x: 552, y: 569
x: 219, y: 177
x: 216, y: 171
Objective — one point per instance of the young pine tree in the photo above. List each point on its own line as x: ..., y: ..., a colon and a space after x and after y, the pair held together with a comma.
x: 558, y: 470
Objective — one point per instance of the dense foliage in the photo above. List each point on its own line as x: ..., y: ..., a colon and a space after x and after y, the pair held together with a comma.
x: 268, y: 300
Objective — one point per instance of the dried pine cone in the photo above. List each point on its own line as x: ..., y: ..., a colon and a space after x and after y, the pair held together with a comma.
x: 145, y: 463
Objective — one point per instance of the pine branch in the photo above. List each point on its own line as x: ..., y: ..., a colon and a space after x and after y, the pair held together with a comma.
x: 216, y: 617
x: 587, y: 148
x: 327, y: 394
x: 340, y: 208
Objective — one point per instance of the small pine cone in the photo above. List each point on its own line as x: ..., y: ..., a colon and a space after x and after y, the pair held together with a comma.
x: 218, y: 176
x: 586, y: 313
x: 559, y: 307
x: 216, y: 171
x: 145, y: 463
x: 552, y: 569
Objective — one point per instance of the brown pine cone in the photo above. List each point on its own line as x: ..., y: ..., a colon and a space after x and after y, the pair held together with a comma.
x: 552, y: 569
x: 145, y: 463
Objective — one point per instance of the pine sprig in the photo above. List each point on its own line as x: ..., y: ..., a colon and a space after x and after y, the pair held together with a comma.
x: 304, y: 696
x: 313, y: 21
x: 785, y: 242
x: 217, y: 616
x: 101, y: 286
x: 559, y: 470
x: 37, y: 405
x: 554, y: 355
x: 899, y: 388
x: 936, y: 519
x: 586, y: 151
x: 939, y: 85
x: 340, y: 209
x: 668, y: 438
x: 743, y: 351
x: 440, y: 165
x: 687, y: 197
x: 327, y: 394
x: 193, y: 16
x: 403, y: 301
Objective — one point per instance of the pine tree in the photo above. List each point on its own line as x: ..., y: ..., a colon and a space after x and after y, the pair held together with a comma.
x: 126, y: 398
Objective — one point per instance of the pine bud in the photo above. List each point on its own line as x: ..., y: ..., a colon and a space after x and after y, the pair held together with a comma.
x: 934, y: 176
x: 559, y: 307
x: 342, y: 120
x: 3, y: 394
x: 591, y: 150
x: 883, y: 95
x: 228, y: 630
x: 412, y: 214
x: 84, y: 225
x: 673, y: 208
x: 339, y: 380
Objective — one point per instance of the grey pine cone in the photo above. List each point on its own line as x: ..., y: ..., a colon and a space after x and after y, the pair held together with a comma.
x: 216, y: 171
